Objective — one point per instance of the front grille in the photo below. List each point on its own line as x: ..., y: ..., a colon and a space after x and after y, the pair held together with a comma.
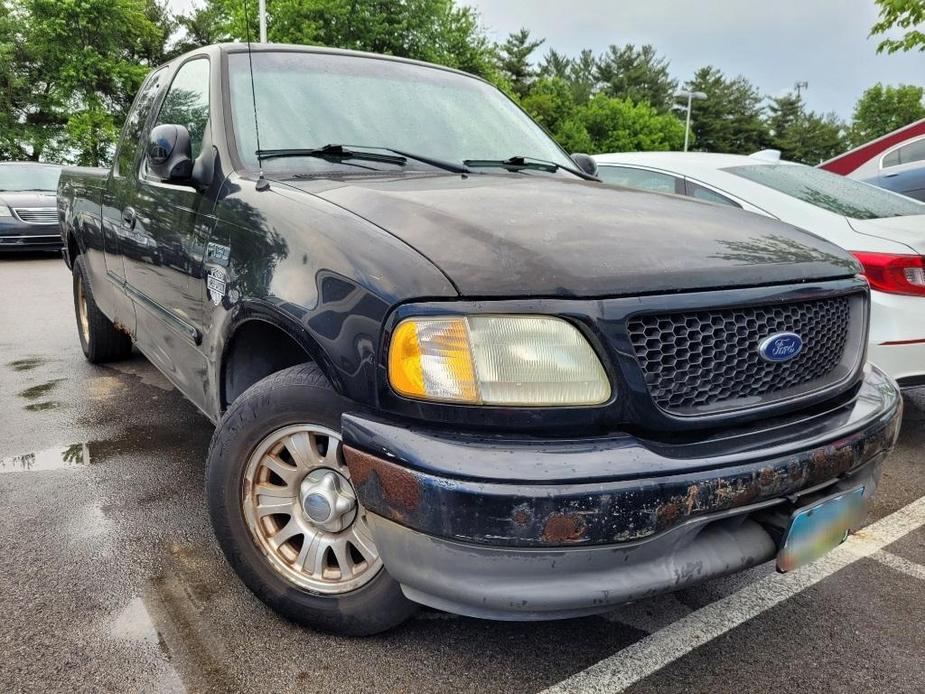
x: 701, y: 361
x: 37, y: 215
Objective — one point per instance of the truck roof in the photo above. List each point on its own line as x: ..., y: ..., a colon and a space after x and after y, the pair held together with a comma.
x: 218, y: 49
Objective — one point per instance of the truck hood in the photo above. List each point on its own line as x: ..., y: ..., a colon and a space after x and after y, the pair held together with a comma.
x: 909, y: 230
x: 29, y: 198
x: 514, y: 234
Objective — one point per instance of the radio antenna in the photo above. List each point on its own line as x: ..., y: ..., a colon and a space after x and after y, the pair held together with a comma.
x: 262, y: 183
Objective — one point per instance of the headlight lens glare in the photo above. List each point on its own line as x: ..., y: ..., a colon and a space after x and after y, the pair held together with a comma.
x: 496, y: 360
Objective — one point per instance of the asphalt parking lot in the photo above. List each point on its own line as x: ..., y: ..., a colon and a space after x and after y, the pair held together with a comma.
x: 112, y: 581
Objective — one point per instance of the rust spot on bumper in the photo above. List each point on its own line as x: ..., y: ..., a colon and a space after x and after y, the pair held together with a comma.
x: 563, y: 528
x: 394, y: 485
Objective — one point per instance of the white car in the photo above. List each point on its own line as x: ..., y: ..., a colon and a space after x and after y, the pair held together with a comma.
x: 884, y: 231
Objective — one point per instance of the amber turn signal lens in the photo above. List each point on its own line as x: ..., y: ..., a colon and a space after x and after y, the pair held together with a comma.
x: 431, y: 359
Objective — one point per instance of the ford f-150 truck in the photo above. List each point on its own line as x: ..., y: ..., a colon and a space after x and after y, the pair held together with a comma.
x: 449, y: 367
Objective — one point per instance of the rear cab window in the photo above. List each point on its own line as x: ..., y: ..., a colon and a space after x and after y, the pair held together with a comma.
x: 838, y: 194
x: 640, y: 178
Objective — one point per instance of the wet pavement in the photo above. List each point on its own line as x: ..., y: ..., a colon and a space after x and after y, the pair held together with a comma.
x: 111, y: 580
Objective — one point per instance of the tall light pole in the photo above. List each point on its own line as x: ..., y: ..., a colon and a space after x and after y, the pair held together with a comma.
x: 690, y: 96
x: 262, y: 13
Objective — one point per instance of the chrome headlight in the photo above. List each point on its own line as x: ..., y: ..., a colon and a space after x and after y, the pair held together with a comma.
x: 5, y: 211
x: 530, y: 361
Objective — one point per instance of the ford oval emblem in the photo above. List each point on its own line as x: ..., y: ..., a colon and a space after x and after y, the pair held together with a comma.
x: 780, y: 347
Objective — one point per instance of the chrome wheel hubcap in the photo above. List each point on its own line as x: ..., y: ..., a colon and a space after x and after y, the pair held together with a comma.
x: 303, y: 513
x: 328, y: 500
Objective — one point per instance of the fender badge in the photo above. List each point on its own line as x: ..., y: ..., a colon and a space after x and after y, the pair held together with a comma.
x: 216, y: 283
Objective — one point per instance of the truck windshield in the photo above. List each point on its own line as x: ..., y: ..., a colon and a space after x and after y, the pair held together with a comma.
x: 15, y: 177
x: 309, y: 100
x: 830, y: 191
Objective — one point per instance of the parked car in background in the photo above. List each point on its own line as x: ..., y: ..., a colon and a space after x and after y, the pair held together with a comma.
x: 28, y: 209
x: 901, y: 169
x: 884, y: 231
x: 895, y: 161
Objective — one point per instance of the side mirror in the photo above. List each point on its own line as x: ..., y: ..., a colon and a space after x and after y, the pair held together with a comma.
x: 169, y: 153
x: 585, y: 163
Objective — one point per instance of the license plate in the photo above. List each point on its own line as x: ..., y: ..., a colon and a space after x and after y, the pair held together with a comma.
x: 816, y: 529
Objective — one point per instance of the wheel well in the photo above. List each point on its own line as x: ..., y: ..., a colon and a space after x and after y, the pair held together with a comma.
x: 73, y: 250
x: 257, y: 350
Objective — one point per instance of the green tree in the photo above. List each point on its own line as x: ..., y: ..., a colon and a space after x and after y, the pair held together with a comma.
x: 905, y: 15
x: 823, y: 136
x: 803, y: 136
x: 11, y: 129
x: 438, y: 31
x: 70, y: 72
x: 730, y: 118
x: 785, y: 114
x: 204, y: 25
x: 581, y: 77
x: 514, y: 60
x: 608, y: 124
x: 555, y: 65
x: 550, y: 102
x: 637, y: 74
x: 883, y: 109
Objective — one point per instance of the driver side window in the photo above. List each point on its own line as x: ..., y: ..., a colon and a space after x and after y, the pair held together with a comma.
x: 187, y: 101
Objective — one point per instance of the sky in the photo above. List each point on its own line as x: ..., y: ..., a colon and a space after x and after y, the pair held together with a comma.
x: 774, y: 44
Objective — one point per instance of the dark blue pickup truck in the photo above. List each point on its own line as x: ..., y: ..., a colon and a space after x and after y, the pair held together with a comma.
x: 447, y: 366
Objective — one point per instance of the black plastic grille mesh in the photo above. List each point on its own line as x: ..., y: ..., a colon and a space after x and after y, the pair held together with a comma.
x: 699, y: 359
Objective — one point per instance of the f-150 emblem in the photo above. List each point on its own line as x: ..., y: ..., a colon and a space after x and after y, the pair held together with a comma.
x: 216, y: 283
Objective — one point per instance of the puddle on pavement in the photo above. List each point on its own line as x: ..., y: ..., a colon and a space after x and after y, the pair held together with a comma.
x: 76, y: 455
x: 102, y: 387
x: 134, y: 626
x: 92, y: 523
x: 42, y: 406
x: 144, y: 371
x: 179, y: 604
x: 27, y: 364
x: 40, y: 390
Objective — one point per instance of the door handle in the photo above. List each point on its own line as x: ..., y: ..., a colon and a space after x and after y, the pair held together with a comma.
x: 891, y: 175
x: 128, y: 218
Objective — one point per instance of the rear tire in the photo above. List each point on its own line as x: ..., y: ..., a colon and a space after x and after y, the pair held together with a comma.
x: 100, y: 340
x: 280, y: 435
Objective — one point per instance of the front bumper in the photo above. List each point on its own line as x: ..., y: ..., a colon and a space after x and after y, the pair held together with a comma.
x: 16, y: 235
x: 524, y: 528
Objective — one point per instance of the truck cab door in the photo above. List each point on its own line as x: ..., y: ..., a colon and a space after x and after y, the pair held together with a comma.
x: 170, y: 229
x: 116, y: 198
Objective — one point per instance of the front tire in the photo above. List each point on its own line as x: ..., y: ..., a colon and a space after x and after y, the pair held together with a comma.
x: 286, y: 515
x: 100, y: 340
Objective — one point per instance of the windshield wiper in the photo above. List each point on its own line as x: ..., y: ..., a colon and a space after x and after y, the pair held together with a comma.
x: 343, y: 152
x: 519, y: 162
x: 439, y: 163
x: 332, y: 153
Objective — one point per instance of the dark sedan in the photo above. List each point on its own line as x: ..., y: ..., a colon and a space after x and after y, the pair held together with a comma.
x: 28, y: 210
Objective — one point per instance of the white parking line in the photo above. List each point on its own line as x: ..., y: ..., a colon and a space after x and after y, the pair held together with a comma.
x: 651, y: 653
x: 910, y: 568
